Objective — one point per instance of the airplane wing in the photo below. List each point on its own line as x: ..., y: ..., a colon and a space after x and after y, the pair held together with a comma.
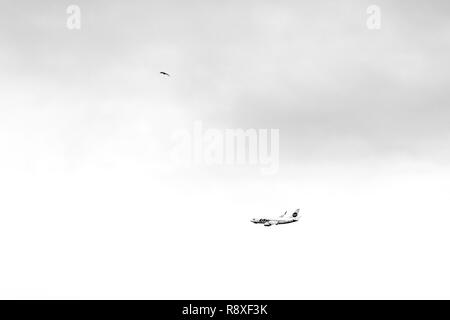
x: 283, y: 214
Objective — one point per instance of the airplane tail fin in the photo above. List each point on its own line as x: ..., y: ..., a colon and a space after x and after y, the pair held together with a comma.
x: 296, y: 214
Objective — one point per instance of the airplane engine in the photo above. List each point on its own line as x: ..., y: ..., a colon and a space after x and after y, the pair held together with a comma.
x: 270, y: 223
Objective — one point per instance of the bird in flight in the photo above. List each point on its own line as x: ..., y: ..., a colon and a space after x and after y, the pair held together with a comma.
x: 164, y: 73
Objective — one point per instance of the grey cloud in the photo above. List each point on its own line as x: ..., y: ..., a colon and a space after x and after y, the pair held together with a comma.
x: 311, y: 69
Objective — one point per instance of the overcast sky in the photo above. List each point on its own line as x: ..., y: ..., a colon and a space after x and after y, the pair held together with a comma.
x: 313, y: 70
x: 85, y: 127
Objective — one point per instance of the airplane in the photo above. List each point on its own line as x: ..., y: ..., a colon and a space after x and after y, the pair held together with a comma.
x: 293, y: 217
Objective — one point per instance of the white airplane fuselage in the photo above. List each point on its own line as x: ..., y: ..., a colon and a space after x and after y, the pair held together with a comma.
x: 294, y: 217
